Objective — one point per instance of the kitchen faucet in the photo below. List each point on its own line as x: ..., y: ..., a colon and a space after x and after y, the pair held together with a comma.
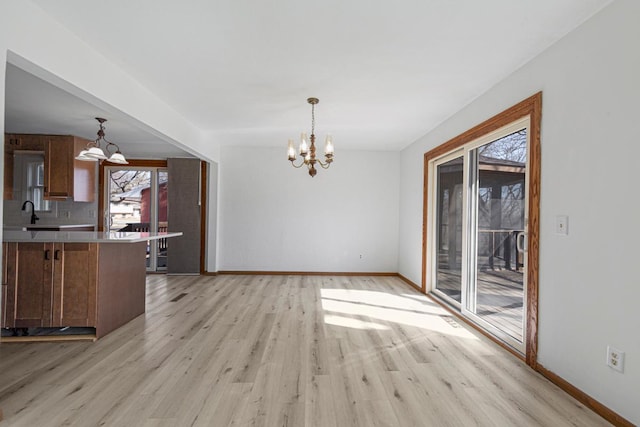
x: 34, y: 217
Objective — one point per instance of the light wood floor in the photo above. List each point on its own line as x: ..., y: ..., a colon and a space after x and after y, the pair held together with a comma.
x: 281, y: 351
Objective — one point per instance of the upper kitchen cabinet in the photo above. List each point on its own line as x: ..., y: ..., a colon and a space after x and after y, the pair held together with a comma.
x: 63, y: 176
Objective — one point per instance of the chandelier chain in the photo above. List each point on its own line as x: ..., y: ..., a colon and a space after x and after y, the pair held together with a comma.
x: 313, y: 118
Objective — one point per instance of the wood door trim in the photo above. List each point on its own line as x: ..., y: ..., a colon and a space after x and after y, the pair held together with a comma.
x: 531, y: 107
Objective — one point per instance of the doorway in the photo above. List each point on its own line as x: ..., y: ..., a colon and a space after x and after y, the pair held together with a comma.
x: 135, y: 199
x: 480, y: 199
x: 481, y: 225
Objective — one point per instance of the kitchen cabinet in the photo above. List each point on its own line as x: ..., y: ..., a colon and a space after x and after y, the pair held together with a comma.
x: 58, y: 167
x: 64, y: 177
x: 74, y: 284
x: 74, y: 278
x: 3, y: 288
x: 50, y: 284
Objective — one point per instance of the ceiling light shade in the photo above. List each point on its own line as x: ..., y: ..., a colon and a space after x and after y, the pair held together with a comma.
x: 308, y: 152
x: 93, y: 152
x: 83, y: 156
x: 118, y: 158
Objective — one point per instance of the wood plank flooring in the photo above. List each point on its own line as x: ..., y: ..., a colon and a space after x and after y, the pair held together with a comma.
x: 281, y: 351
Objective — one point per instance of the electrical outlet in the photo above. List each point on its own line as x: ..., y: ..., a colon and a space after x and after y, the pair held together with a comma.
x: 67, y: 214
x: 615, y: 359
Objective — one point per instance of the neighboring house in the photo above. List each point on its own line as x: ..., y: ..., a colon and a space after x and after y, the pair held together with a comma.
x: 134, y: 206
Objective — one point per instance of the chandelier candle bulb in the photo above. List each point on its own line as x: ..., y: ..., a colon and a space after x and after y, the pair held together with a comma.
x: 328, y: 146
x: 291, y: 151
x: 304, y: 147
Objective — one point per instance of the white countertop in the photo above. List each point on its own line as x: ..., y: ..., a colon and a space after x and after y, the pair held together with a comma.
x: 84, y: 236
x: 36, y: 226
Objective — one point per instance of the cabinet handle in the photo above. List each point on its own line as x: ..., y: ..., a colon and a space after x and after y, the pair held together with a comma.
x: 47, y: 255
x: 56, y: 254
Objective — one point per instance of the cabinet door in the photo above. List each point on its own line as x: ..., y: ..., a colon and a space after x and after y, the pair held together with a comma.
x: 5, y: 279
x: 74, y: 284
x: 84, y: 174
x: 29, y: 285
x: 58, y: 167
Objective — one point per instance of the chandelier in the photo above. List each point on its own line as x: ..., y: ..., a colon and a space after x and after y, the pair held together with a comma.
x: 308, y: 152
x: 93, y: 152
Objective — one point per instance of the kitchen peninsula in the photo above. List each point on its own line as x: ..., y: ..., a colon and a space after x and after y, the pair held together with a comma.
x: 59, y: 279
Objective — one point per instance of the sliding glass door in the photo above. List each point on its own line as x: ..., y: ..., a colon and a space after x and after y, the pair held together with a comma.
x: 479, y: 228
x: 136, y: 200
x: 448, y: 230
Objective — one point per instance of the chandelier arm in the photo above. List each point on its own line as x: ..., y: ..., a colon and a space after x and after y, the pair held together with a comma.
x: 324, y: 165
x: 299, y: 166
x: 109, y: 143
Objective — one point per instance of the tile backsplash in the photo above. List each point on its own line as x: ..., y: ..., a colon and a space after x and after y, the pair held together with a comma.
x: 62, y: 212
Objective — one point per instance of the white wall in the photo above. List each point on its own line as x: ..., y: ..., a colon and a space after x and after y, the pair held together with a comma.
x: 277, y: 218
x: 589, y: 280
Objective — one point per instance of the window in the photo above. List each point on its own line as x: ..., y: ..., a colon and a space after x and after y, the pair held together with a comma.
x: 29, y: 179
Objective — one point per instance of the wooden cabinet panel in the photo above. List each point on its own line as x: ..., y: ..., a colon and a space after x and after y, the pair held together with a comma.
x: 74, y: 284
x: 28, y: 285
x: 58, y: 167
x: 5, y: 263
x: 50, y: 285
x: 84, y: 174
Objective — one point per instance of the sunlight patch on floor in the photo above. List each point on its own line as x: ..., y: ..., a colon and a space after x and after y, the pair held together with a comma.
x: 363, y: 309
x: 349, y: 322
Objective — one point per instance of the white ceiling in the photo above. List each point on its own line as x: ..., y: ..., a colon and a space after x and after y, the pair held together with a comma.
x: 36, y: 106
x: 386, y: 72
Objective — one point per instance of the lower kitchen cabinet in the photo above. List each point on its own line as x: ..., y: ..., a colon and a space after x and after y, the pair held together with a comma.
x: 77, y: 279
x: 74, y: 284
x: 50, y: 284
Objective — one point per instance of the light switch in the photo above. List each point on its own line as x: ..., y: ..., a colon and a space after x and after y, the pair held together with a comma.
x: 562, y: 225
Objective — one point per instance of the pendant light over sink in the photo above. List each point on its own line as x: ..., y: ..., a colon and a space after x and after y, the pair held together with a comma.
x: 94, y: 153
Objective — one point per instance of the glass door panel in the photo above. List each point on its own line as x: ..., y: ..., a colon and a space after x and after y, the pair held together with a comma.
x: 448, y: 229
x: 497, y: 222
x: 163, y: 224
x: 137, y: 201
x: 125, y: 204
x: 477, y: 253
